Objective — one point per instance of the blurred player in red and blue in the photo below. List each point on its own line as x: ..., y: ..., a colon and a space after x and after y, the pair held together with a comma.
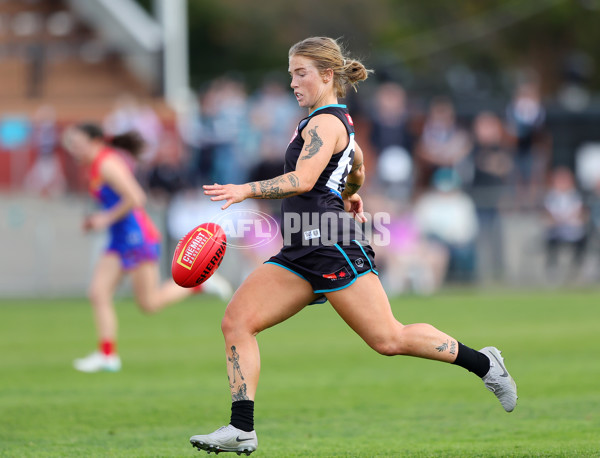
x: 134, y: 244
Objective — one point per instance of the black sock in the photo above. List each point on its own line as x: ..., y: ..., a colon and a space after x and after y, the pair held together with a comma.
x: 242, y: 415
x: 472, y: 360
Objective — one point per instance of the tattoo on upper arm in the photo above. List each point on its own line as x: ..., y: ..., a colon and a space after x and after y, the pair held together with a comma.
x: 453, y: 347
x: 315, y: 144
x: 271, y: 189
x: 240, y: 394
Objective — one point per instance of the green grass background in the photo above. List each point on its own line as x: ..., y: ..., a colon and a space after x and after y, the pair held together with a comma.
x: 323, y: 392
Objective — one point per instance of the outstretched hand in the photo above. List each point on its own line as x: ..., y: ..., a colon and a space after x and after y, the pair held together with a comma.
x: 354, y: 204
x: 232, y: 193
x: 96, y: 222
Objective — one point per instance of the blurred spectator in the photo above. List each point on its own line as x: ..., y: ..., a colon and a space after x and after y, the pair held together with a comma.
x: 392, y: 140
x: 493, y: 162
x: 565, y: 218
x: 129, y: 114
x: 525, y: 118
x: 224, y: 111
x: 578, y: 70
x: 46, y: 176
x: 274, y: 113
x: 167, y: 175
x: 407, y: 261
x: 270, y: 164
x: 593, y: 202
x: 15, y: 133
x: 447, y: 215
x: 442, y: 144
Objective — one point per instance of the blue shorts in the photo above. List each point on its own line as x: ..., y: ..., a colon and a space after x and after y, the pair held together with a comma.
x: 133, y: 255
x: 330, y: 268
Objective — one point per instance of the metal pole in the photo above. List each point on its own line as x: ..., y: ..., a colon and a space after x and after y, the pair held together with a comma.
x: 172, y: 14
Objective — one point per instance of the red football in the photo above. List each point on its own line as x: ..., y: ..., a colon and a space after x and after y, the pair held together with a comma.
x: 198, y: 255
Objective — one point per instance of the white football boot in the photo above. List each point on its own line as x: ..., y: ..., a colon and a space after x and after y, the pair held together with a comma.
x: 218, y: 286
x: 97, y: 362
x: 499, y: 381
x: 227, y: 439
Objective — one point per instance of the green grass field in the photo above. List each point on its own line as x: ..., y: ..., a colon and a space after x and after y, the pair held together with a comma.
x: 323, y: 392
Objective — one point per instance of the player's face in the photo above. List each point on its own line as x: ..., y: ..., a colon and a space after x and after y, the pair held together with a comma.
x: 308, y: 84
x: 76, y: 143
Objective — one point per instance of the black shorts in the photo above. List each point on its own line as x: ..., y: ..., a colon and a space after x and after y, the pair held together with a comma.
x: 330, y: 268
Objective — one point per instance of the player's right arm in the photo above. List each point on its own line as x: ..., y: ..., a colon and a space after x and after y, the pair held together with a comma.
x: 322, y: 136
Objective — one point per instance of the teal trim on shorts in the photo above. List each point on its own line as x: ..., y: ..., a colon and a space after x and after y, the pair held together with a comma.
x: 353, y: 270
x: 317, y: 301
x: 365, y: 253
x: 335, y: 289
x: 286, y: 268
x: 347, y: 259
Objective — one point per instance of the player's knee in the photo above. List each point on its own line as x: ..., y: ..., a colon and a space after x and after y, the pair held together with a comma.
x: 387, y: 348
x: 229, y: 324
x: 234, y: 323
x: 389, y: 345
x: 146, y: 306
x: 97, y: 296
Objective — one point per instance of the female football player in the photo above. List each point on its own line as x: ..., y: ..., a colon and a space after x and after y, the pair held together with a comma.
x: 323, y: 256
x: 134, y: 240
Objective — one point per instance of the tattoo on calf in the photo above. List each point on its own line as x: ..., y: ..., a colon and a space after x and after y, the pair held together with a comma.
x: 442, y: 347
x: 235, y: 362
x: 240, y: 394
x: 453, y: 347
x: 314, y: 146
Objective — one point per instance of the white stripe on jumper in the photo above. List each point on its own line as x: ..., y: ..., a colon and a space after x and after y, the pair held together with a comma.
x: 335, y: 180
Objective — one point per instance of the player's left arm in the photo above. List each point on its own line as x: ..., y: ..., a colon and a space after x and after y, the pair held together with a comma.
x: 356, y: 177
x: 352, y: 201
x: 117, y: 175
x: 321, y: 136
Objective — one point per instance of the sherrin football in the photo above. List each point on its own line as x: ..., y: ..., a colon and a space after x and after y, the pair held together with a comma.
x: 198, y: 255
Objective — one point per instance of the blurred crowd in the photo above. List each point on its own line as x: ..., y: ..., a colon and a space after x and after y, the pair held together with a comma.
x: 445, y: 180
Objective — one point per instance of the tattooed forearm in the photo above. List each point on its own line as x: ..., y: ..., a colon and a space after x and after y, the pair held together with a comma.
x: 442, y: 347
x: 356, y: 166
x: 253, y: 189
x: 293, y: 179
x: 274, y: 188
x: 314, y: 146
x: 351, y: 188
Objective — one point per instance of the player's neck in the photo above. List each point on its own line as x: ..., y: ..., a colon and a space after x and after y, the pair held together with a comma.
x: 94, y: 151
x: 323, y: 103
